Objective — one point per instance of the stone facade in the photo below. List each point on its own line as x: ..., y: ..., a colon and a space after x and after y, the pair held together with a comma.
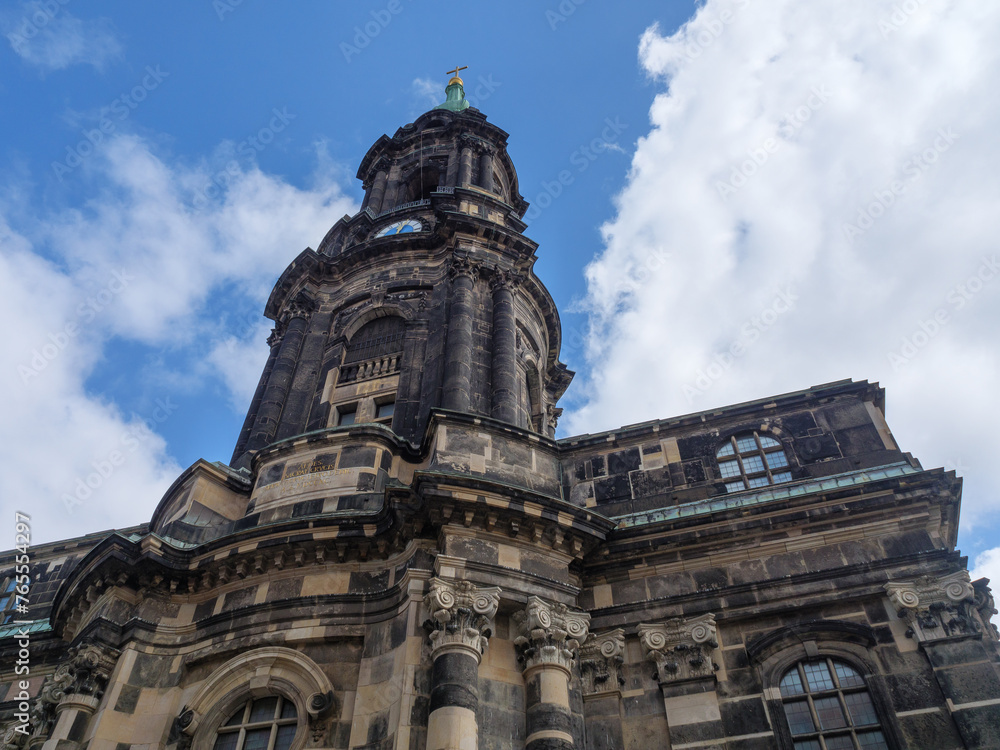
x: 400, y: 554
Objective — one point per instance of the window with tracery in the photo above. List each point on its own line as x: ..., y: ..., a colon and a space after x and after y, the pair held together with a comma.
x: 828, y: 707
x: 267, y: 723
x: 751, y: 460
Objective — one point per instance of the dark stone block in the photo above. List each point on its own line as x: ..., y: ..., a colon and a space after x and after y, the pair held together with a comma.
x: 908, y: 543
x: 386, y: 463
x: 475, y: 549
x: 694, y: 471
x: 247, y: 522
x: 354, y: 456
x: 308, y: 508
x: 931, y: 730
x: 597, y: 466
x: 455, y: 678
x: 203, y: 610
x: 366, y: 482
x: 612, y: 489
x: 284, y: 588
x: 980, y: 726
x: 651, y: 482
x: 150, y: 671
x: 271, y: 475
x: 622, y: 462
x: 744, y: 716
x: 367, y: 582
x: 470, y: 443
x: 816, y: 448
x: 710, y: 578
x: 547, y: 716
x: 127, y: 699
x: 798, y: 424
x: 239, y: 598
x: 323, y: 462
x: 697, y: 732
x: 970, y: 682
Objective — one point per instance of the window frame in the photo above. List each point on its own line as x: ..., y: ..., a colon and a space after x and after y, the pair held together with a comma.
x: 772, y: 475
x: 276, y: 721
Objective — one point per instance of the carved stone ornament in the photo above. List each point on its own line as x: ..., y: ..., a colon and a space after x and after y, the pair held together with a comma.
x: 601, y: 658
x: 13, y: 739
x: 986, y: 606
x: 462, y: 265
x: 277, y: 334
x: 300, y: 307
x: 85, y: 673
x: 505, y: 278
x: 552, y: 414
x: 935, y: 608
x: 461, y: 616
x: 549, y: 634
x: 681, y: 648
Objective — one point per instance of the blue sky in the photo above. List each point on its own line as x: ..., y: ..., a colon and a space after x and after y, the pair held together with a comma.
x: 163, y: 163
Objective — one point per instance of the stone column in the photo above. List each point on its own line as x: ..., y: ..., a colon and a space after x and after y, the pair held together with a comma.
x: 465, y: 164
x: 682, y: 650
x: 504, y: 364
x: 295, y: 320
x: 456, y: 393
x: 486, y: 169
x: 272, y: 341
x: 378, y: 192
x: 946, y: 621
x: 70, y: 697
x: 548, y: 638
x: 462, y: 622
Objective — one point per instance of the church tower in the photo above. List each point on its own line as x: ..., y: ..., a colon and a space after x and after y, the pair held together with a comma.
x: 424, y: 299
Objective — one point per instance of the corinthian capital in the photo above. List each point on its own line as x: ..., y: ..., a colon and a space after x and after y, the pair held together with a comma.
x: 550, y: 634
x: 601, y: 658
x: 505, y: 278
x: 680, y: 647
x: 935, y: 607
x: 462, y: 616
x: 300, y: 307
x: 462, y: 265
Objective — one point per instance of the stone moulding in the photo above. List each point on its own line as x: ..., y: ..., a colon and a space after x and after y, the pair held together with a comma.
x: 461, y: 616
x: 681, y: 648
x: 935, y: 607
x: 601, y: 659
x: 549, y: 634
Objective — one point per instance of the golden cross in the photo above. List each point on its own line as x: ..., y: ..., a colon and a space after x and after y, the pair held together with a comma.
x: 457, y: 70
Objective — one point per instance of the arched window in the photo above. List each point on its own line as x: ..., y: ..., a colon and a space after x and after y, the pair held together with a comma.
x: 827, y: 707
x: 376, y: 338
x: 267, y: 723
x: 751, y: 460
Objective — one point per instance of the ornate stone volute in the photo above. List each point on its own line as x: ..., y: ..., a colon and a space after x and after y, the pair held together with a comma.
x: 505, y: 278
x: 681, y: 648
x: 464, y: 266
x: 986, y: 606
x: 934, y: 607
x: 300, y: 307
x: 601, y: 658
x: 549, y: 634
x: 462, y: 616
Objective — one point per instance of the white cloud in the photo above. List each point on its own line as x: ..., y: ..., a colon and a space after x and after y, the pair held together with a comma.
x: 50, y: 37
x: 818, y: 182
x: 428, y: 91
x: 148, y: 262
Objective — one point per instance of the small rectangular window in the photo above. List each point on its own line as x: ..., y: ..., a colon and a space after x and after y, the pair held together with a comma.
x: 346, y: 415
x: 385, y: 411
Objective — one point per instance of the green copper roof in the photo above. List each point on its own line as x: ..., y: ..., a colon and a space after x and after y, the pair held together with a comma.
x: 456, y: 98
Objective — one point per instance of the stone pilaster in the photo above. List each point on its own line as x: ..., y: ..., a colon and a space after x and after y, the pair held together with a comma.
x: 461, y: 624
x: 549, y: 636
x: 293, y: 326
x: 504, y: 361
x: 457, y: 391
x: 683, y: 650
x: 70, y: 697
x: 601, y: 659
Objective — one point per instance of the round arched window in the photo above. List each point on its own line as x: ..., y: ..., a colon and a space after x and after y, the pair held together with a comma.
x: 828, y: 707
x: 267, y: 723
x: 751, y: 460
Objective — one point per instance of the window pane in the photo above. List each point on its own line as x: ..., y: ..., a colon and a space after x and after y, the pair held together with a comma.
x: 784, y: 476
x: 859, y: 705
x: 227, y: 741
x: 263, y: 709
x: 10, y: 586
x: 734, y: 487
x: 753, y: 464
x: 257, y: 739
x: 746, y: 444
x: 808, y: 745
x: 830, y: 715
x: 799, y: 719
x: 726, y: 450
x: 818, y: 676
x: 776, y: 460
x: 729, y: 469
x: 758, y: 482
x: 791, y: 684
x: 3, y: 603
x: 287, y: 709
x: 237, y: 717
x: 872, y: 741
x: 847, y: 676
x: 384, y: 410
x: 768, y: 442
x: 843, y: 742
x: 285, y: 737
x: 347, y: 417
